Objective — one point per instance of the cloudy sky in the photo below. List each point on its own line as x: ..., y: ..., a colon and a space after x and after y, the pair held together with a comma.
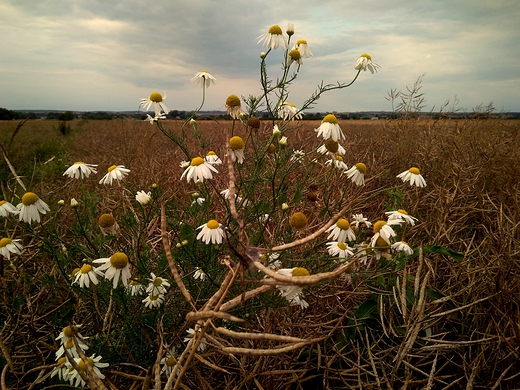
x: 107, y: 54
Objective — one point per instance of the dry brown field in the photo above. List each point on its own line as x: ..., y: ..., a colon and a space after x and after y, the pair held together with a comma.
x: 466, y: 337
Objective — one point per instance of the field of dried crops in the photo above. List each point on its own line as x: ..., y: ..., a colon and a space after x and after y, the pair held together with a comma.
x: 464, y: 335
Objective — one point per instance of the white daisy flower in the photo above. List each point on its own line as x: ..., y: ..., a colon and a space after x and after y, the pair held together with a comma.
x: 62, y: 370
x: 115, y: 172
x: 87, y: 274
x: 283, y: 141
x: 184, y: 164
x: 80, y: 170
x: 31, y: 208
x: 115, y: 267
x: 8, y: 246
x: 276, y: 131
x: 70, y: 347
x: 204, y: 78
x: 93, y: 362
x: 382, y: 234
x: 290, y: 29
x: 364, y: 62
x: 288, y: 111
x: 293, y: 293
x: 273, y: 38
x: 329, y: 128
x: 68, y: 332
x: 134, y: 287
x: 401, y: 246
x: 156, y: 118
x: 237, y: 145
x: 234, y: 107
x: 203, y: 343
x: 157, y: 285
x: 212, y: 231
x: 337, y: 162
x: 400, y: 216
x: 153, y: 301
x: 357, y: 174
x: 200, y: 201
x: 212, y: 158
x: 331, y: 146
x: 341, y: 231
x: 199, y: 274
x: 302, y: 46
x: 359, y: 219
x: 143, y: 197
x: 340, y: 249
x: 199, y: 170
x: 298, y: 156
x: 7, y: 208
x: 362, y: 253
x: 413, y: 175
x: 155, y: 101
x: 169, y: 361
x: 294, y: 56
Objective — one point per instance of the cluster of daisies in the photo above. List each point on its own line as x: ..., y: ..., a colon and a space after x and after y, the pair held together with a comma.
x: 70, y: 339
x: 332, y: 134
x: 117, y: 268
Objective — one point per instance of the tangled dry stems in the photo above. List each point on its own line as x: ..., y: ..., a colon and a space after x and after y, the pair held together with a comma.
x: 465, y: 336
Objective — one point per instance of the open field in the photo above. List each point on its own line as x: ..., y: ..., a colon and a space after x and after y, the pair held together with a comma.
x: 436, y: 320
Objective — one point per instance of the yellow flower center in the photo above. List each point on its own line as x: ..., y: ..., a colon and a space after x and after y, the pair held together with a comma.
x: 204, y: 71
x: 134, y: 282
x: 119, y: 260
x: 75, y: 271
x: 402, y: 211
x: 330, y: 118
x: 86, y: 268
x: 82, y: 365
x: 331, y: 145
x: 112, y: 168
x: 368, y: 57
x: 196, y: 161
x: 339, y: 158
x: 62, y: 360
x: 4, y: 242
x: 171, y: 361
x: 233, y: 101
x: 271, y: 148
x: 29, y: 198
x: 298, y: 220
x: 300, y: 271
x: 69, y: 344
x: 361, y: 167
x: 415, y: 171
x: 343, y: 224
x: 153, y: 297
x: 2, y: 202
x: 342, y: 246
x: 155, y: 97
x: 378, y: 225
x: 157, y: 282
x: 301, y: 42
x: 236, y: 143
x: 70, y: 331
x: 211, y: 153
x: 106, y: 221
x: 212, y: 224
x: 79, y: 163
x: 295, y: 54
x: 275, y: 30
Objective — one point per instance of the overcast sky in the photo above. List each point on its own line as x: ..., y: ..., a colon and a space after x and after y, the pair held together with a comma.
x: 104, y: 55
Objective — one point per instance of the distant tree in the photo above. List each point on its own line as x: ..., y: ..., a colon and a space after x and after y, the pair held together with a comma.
x: 66, y: 116
x: 6, y: 115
